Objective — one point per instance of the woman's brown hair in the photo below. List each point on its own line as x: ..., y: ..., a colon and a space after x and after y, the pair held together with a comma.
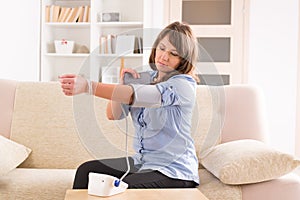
x: 182, y: 38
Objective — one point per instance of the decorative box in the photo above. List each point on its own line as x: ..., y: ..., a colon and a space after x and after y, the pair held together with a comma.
x: 64, y: 46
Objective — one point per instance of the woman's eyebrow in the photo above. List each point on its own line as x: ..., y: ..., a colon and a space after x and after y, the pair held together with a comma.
x: 162, y: 43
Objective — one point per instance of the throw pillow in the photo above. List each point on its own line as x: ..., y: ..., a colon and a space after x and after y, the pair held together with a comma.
x: 247, y: 161
x: 12, y: 154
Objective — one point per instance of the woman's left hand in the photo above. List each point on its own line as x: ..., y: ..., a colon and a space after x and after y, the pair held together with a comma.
x: 133, y: 72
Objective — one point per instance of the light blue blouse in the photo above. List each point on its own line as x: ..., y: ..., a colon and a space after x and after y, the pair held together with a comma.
x: 163, y: 139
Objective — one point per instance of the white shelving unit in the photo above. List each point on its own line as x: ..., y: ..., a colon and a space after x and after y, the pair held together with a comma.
x: 88, y: 34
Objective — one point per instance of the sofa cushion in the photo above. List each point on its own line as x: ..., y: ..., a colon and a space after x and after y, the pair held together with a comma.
x: 213, y: 189
x: 46, y: 184
x: 43, y: 120
x: 12, y: 154
x: 247, y: 161
x: 63, y: 131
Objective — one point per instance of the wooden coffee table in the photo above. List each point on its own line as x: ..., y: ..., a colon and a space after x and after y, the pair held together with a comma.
x: 141, y: 194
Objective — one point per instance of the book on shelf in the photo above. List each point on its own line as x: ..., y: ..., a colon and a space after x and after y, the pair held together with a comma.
x: 111, y: 44
x: 89, y: 15
x: 138, y: 45
x: 61, y: 14
x: 102, y: 43
x: 47, y: 13
x: 81, y: 15
x: 75, y: 15
x: 51, y: 10
x: 141, y: 47
x: 107, y: 44
x: 71, y: 14
x: 55, y: 13
x: 65, y: 14
x: 86, y: 13
x: 120, y: 44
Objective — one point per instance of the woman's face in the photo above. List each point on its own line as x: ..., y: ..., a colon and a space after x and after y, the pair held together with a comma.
x: 166, y: 58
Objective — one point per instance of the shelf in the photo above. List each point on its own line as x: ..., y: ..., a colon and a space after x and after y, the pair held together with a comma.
x: 120, y: 24
x: 137, y: 55
x: 77, y: 55
x: 133, y: 55
x: 68, y: 24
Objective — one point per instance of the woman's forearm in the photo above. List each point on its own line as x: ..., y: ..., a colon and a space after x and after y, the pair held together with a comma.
x: 114, y: 92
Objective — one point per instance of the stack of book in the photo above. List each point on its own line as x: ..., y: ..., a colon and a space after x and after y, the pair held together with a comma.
x: 107, y: 44
x: 120, y: 44
x: 55, y: 13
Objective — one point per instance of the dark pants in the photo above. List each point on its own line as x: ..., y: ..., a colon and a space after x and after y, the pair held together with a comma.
x: 118, y: 166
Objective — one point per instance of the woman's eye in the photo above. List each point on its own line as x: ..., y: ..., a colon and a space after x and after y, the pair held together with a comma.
x: 162, y: 48
x: 174, y: 53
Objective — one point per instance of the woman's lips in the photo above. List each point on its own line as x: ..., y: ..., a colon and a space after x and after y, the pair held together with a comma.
x: 162, y: 64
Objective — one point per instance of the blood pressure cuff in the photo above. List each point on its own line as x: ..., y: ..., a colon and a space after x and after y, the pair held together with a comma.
x: 146, y: 96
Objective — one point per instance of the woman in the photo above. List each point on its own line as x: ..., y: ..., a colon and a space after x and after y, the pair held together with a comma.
x: 161, y: 112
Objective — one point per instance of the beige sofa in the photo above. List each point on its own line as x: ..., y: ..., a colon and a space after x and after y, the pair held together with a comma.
x: 63, y: 132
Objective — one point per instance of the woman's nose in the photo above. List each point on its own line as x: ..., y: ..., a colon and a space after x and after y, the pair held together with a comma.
x: 165, y: 55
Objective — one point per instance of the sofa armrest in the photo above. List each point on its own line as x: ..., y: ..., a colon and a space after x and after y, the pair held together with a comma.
x: 245, y: 114
x: 7, y: 88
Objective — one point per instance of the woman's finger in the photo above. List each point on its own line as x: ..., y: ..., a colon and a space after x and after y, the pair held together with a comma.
x: 67, y: 76
x: 133, y: 72
x: 67, y: 86
x: 67, y: 80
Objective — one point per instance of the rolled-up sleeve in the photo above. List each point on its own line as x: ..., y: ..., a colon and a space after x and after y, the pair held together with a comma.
x: 178, y: 90
x: 169, y: 95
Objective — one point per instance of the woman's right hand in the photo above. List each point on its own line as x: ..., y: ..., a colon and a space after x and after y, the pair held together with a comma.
x: 133, y: 72
x: 72, y: 84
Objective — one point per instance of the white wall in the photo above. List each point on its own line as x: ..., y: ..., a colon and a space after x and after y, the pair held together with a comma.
x: 297, y: 143
x: 273, y: 64
x: 19, y: 35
